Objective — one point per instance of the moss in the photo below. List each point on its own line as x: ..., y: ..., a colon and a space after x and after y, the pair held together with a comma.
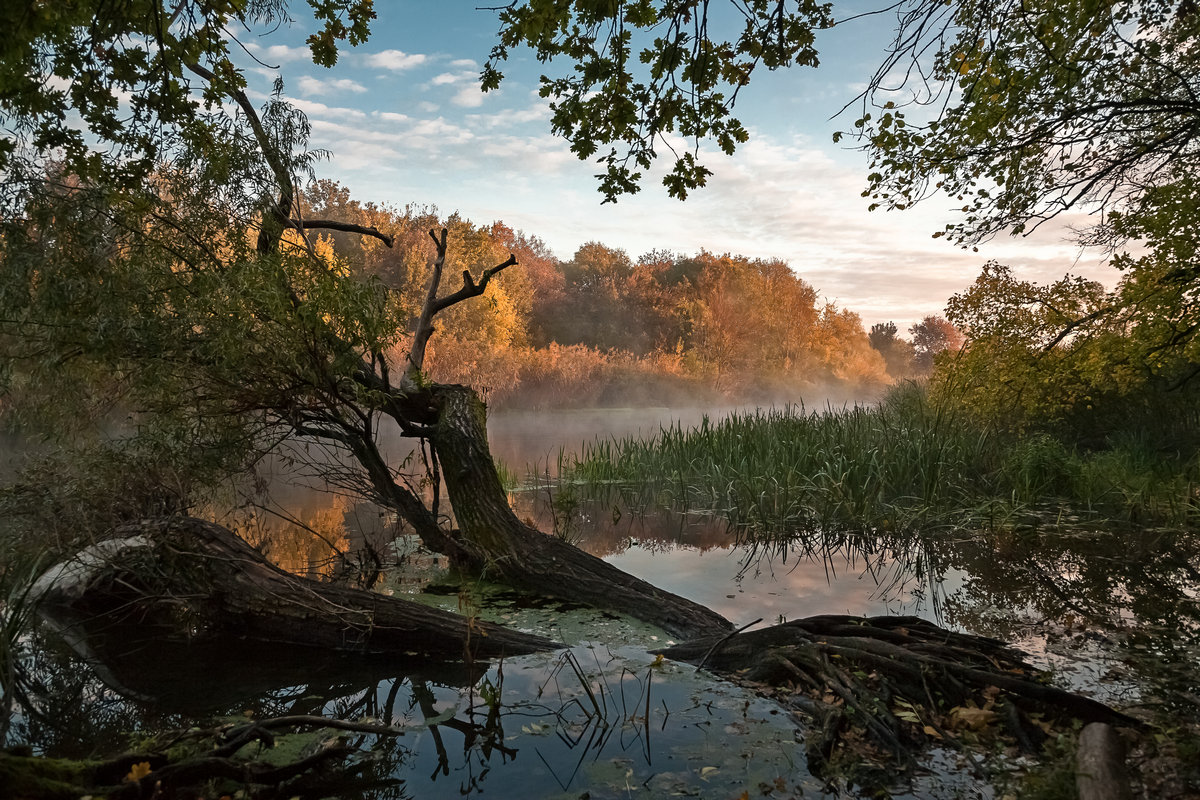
x: 33, y: 778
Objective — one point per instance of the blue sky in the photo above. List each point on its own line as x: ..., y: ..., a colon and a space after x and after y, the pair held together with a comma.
x: 405, y: 122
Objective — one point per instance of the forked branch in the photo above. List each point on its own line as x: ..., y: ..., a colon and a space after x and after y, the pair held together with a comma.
x: 432, y: 305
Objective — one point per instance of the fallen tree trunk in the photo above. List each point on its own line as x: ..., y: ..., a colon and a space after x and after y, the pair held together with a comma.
x: 198, y: 577
x: 901, y: 681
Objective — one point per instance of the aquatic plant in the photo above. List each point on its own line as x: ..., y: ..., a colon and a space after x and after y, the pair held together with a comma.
x: 905, y: 464
x: 18, y: 572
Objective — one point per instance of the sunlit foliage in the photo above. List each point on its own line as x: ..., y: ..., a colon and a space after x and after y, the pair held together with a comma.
x: 1063, y: 356
x: 727, y: 326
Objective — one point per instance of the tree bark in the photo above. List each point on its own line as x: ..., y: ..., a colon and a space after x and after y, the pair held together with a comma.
x: 901, y: 680
x: 198, y: 576
x: 518, y: 555
x: 1100, y: 764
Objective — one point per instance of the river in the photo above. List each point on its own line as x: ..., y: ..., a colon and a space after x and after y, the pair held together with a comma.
x: 603, y: 719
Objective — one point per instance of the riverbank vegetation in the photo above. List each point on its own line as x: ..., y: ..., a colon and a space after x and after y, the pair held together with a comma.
x: 912, y: 462
x: 605, y: 329
x: 179, y: 299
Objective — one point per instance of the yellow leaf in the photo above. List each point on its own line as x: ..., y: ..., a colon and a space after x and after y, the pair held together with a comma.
x: 658, y: 660
x: 931, y: 731
x: 706, y: 772
x: 972, y: 718
x: 137, y: 772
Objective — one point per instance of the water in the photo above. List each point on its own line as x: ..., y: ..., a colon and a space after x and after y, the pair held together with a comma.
x: 1113, y: 615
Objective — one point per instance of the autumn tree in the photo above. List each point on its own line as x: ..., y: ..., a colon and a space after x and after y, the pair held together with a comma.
x: 844, y: 351
x: 931, y: 336
x: 171, y: 247
x: 897, y: 352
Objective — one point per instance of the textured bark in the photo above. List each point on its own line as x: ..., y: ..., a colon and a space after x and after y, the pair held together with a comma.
x: 518, y: 555
x: 1100, y: 765
x: 197, y: 576
x: 900, y: 680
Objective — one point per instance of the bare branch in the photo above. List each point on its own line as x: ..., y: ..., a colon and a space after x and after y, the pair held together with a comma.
x: 432, y: 305
x: 470, y: 288
x: 347, y: 227
x: 416, y: 356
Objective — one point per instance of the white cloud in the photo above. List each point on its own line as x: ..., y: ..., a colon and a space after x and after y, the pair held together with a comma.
x: 468, y: 97
x: 278, y: 54
x: 395, y: 60
x: 310, y: 86
x: 468, y: 94
x: 537, y: 111
x: 427, y: 107
x: 314, y: 109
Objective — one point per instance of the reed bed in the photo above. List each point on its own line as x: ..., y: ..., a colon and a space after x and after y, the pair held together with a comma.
x: 17, y: 576
x: 905, y: 464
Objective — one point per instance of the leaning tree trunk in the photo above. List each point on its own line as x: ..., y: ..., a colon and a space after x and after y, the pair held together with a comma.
x: 516, y: 554
x: 193, y: 575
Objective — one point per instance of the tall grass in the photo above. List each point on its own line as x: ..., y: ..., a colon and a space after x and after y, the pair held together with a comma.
x: 907, y: 463
x: 17, y: 575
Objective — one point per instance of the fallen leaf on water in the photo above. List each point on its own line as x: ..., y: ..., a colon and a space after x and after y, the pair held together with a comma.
x: 972, y: 718
x: 705, y: 772
x: 137, y: 772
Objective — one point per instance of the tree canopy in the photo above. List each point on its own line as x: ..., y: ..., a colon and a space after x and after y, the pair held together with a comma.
x: 644, y: 76
x: 1022, y: 111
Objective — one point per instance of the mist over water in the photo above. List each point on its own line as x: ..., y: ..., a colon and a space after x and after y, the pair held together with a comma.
x: 520, y: 438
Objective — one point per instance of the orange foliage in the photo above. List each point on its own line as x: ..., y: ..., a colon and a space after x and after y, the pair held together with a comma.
x: 603, y: 329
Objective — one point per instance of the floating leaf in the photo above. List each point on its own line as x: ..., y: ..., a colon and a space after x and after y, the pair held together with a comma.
x: 971, y: 718
x: 137, y: 772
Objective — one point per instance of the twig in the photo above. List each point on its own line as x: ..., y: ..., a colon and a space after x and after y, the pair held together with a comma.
x: 723, y: 640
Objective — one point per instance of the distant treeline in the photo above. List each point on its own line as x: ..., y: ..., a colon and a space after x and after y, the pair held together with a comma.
x: 604, y: 328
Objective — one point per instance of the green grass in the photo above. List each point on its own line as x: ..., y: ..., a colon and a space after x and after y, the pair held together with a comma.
x: 906, y: 464
x: 17, y: 575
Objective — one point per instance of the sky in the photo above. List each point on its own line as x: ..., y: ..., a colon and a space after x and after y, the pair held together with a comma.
x: 405, y: 122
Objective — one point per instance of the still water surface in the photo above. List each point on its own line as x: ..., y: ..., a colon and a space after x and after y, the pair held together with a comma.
x: 601, y: 719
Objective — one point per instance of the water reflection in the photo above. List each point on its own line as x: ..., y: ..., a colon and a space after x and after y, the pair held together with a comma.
x: 1116, y: 613
x: 598, y: 718
x: 1095, y: 604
